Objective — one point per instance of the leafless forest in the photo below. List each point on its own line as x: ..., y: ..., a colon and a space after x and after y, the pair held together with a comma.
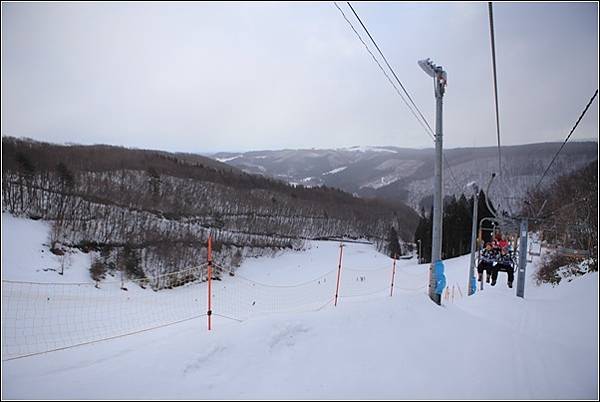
x: 150, y: 212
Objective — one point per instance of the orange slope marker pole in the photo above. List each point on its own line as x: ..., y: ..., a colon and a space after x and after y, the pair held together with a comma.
x: 337, y: 286
x: 209, y: 274
x: 393, y: 274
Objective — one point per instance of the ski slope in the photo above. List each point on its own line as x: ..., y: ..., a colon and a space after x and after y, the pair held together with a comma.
x: 492, y: 345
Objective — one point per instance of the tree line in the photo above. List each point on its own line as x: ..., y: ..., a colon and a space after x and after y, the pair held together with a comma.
x: 457, y: 224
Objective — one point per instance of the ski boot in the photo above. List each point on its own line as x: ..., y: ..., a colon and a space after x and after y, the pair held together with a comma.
x: 510, y: 285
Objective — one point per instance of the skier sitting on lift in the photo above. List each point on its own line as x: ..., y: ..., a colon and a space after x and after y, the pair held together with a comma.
x: 504, y: 263
x: 486, y: 261
x: 500, y: 242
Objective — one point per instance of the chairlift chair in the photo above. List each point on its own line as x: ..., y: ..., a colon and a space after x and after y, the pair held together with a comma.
x: 503, y: 226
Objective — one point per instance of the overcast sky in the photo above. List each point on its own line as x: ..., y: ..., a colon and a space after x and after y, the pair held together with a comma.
x: 204, y: 77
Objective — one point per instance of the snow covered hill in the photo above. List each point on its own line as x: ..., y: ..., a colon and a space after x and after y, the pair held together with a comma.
x: 492, y: 345
x: 407, y: 174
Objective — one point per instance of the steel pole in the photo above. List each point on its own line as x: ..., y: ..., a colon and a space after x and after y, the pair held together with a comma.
x: 522, y: 259
x: 473, y: 243
x: 436, y: 241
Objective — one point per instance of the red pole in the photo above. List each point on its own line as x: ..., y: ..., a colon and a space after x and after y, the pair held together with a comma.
x: 393, y: 274
x: 337, y: 286
x: 209, y: 274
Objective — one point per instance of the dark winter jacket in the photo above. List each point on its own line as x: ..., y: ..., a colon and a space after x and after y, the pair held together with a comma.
x: 489, y: 255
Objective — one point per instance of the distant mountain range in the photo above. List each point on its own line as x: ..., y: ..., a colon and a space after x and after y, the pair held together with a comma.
x: 404, y: 174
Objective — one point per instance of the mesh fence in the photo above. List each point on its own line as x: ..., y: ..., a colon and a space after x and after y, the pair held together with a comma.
x: 43, y: 317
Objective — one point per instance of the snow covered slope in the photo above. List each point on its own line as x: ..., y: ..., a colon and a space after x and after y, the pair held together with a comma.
x: 490, y: 345
x: 26, y: 255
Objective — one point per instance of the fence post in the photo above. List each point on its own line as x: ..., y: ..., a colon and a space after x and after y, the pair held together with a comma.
x: 337, y: 286
x: 209, y: 275
x: 393, y: 274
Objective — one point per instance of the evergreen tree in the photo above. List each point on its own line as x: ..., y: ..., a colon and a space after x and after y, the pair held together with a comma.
x: 131, y: 261
x: 423, y: 235
x: 393, y: 246
x: 456, y: 227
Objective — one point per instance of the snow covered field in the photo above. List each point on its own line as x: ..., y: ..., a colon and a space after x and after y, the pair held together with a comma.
x: 293, y: 343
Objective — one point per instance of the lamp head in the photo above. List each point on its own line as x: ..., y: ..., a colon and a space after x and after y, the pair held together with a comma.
x: 473, y: 187
x: 427, y: 66
x: 436, y: 72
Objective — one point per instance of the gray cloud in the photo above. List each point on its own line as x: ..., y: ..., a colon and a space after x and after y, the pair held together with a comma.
x: 229, y: 76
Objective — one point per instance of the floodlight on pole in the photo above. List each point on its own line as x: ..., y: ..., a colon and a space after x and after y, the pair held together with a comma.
x: 427, y: 66
x: 436, y: 72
